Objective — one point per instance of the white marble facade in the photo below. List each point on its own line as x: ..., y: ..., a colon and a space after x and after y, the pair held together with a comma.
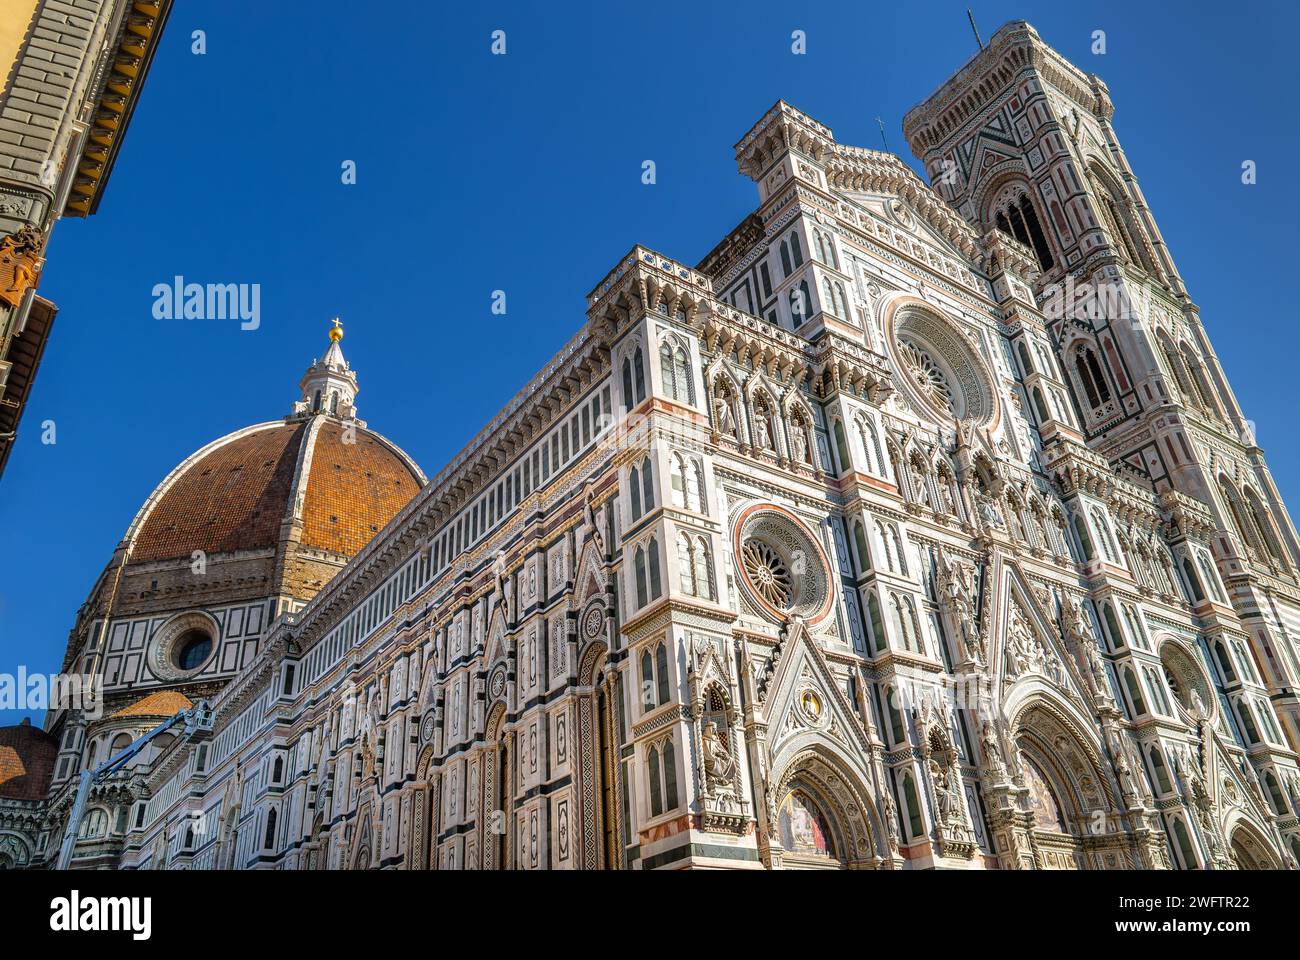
x: 846, y: 547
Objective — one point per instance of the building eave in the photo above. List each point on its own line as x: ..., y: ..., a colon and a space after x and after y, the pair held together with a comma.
x: 115, y: 101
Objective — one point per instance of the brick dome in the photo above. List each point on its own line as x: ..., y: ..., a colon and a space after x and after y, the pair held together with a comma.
x: 27, y: 755
x: 237, y: 493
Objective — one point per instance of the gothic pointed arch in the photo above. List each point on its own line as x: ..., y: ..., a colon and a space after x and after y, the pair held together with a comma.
x: 496, y: 634
x: 1030, y: 651
x: 820, y: 809
x: 1117, y: 218
x: 1012, y: 206
x: 1248, y: 847
x: 362, y: 855
x: 1062, y: 764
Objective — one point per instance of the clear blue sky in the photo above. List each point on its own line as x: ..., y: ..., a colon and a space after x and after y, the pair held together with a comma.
x: 522, y: 173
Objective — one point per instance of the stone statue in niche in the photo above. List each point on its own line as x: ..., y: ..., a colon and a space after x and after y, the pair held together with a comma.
x: 719, y: 764
x: 499, y: 579
x: 956, y: 596
x: 722, y: 416
x: 369, y: 739
x: 800, y: 443
x: 993, y: 752
x: 890, y: 818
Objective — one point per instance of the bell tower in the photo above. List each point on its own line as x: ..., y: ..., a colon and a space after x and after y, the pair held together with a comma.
x: 1020, y: 142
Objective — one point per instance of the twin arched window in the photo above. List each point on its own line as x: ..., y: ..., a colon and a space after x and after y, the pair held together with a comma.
x: 1019, y: 219
x: 825, y: 247
x: 649, y: 584
x: 654, y: 677
x: 94, y: 824
x: 687, y: 483
x: 675, y: 370
x: 791, y: 253
x: 834, y: 299
x: 695, y: 565
x: 641, y: 489
x: 871, y: 445
x: 633, y: 379
x: 1090, y: 373
x: 903, y: 612
x: 661, y: 775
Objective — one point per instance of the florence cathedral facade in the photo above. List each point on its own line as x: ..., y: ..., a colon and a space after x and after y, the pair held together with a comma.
x: 857, y: 544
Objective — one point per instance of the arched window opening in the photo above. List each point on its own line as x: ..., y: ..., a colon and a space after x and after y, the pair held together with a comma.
x: 656, y: 585
x: 1275, y: 794
x: 1186, y: 851
x: 1026, y: 366
x: 896, y: 725
x: 1085, y: 541
x: 1225, y: 662
x: 1248, y: 721
x: 1112, y: 626
x: 915, y: 822
x: 629, y: 397
x: 640, y: 567
x: 1040, y: 405
x: 841, y: 445
x: 638, y: 374
x: 653, y: 775
x: 860, y: 543
x: 647, y: 681
x: 661, y: 673
x: 670, y: 776
x: 1090, y: 374
x: 1193, y: 582
x: 1019, y: 219
x: 877, y: 623
x: 1134, y: 692
x: 1161, y: 769
x: 647, y: 485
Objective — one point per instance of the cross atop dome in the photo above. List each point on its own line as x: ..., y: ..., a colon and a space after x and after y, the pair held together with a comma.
x: 329, y: 387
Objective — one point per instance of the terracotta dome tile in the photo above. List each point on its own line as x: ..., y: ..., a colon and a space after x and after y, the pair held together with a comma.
x: 27, y: 755
x: 354, y: 490
x: 232, y: 498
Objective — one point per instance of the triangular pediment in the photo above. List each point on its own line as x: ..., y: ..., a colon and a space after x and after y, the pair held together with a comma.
x: 1028, y: 643
x: 590, y: 580
x: 806, y: 697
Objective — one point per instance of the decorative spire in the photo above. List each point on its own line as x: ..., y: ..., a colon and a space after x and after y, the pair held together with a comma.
x: 329, y: 387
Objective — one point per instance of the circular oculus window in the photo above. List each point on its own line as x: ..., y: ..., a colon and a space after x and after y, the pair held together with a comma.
x: 939, y: 369
x: 183, y: 646
x: 782, y: 567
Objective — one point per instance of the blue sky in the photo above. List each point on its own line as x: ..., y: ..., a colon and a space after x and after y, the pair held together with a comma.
x: 522, y: 173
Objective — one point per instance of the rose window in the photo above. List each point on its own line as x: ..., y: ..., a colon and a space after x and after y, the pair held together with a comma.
x: 781, y: 566
x: 927, y: 375
x: 938, y: 370
x: 768, y: 574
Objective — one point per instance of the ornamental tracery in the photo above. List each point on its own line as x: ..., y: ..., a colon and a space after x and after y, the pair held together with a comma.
x: 939, y: 370
x: 782, y: 567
